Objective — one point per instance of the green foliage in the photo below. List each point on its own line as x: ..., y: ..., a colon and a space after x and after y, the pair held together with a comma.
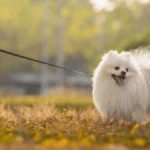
x: 87, y: 33
x: 136, y: 41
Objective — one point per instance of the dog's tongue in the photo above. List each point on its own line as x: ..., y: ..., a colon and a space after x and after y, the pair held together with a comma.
x: 119, y: 80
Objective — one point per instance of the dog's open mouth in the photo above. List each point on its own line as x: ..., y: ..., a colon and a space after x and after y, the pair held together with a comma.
x: 119, y: 79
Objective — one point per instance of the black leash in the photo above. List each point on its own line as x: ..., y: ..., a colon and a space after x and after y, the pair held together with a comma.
x: 42, y: 62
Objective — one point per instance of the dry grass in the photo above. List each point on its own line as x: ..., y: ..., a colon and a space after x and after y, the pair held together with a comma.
x: 48, y: 126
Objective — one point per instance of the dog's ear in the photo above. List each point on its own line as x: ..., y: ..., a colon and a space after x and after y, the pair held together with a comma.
x: 112, y: 53
x: 127, y: 54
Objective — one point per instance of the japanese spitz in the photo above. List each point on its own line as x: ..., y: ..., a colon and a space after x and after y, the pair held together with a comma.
x: 121, y: 85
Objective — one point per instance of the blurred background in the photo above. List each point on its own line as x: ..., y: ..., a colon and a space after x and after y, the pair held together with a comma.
x: 70, y: 33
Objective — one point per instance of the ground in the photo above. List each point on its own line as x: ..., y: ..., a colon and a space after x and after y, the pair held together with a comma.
x: 65, y: 122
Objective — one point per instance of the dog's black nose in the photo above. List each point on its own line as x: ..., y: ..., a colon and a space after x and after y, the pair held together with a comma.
x: 123, y: 73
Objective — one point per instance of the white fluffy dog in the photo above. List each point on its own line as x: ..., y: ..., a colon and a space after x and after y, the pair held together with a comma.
x: 121, y: 85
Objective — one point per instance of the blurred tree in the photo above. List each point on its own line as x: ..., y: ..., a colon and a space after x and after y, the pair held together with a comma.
x: 21, y: 32
x: 137, y: 41
x: 86, y: 33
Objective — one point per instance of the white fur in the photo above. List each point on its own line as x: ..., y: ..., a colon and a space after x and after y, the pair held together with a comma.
x: 130, y: 100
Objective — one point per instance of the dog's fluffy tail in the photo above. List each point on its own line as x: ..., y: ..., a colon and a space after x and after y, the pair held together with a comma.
x: 142, y: 56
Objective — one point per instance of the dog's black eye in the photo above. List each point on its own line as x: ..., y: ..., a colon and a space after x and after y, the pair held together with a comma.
x: 127, y: 69
x: 117, y: 68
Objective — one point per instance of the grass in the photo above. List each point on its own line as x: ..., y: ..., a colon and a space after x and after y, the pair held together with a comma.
x: 61, y: 100
x: 64, y: 122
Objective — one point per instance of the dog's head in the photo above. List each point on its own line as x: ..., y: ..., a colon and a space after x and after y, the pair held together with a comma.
x: 119, y: 66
